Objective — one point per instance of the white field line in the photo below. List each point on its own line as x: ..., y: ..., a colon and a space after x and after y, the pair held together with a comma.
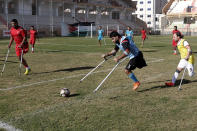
x: 69, y: 44
x: 68, y: 77
x: 8, y: 127
x: 87, y: 97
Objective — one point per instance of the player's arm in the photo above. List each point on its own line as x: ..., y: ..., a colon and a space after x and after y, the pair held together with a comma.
x: 11, y: 41
x: 113, y: 52
x: 189, y: 52
x: 24, y: 38
x: 126, y: 51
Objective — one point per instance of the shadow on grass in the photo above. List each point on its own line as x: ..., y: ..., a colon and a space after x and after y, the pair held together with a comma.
x: 8, y: 62
x: 68, y: 69
x: 73, y: 95
x: 185, y: 81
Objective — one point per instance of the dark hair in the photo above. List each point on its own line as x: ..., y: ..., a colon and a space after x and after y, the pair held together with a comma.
x: 175, y: 26
x: 179, y: 34
x: 14, y: 20
x: 114, y: 34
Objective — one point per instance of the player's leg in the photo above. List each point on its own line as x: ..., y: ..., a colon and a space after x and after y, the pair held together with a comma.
x: 190, y: 69
x: 174, y: 46
x: 24, y: 62
x: 182, y: 64
x: 142, y: 42
x: 128, y: 70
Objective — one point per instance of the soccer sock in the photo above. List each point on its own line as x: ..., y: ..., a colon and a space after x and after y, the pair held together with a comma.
x: 132, y: 76
x: 175, y: 76
x: 32, y: 49
x: 174, y: 51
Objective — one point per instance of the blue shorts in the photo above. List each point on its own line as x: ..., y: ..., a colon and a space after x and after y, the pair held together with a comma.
x: 100, y: 37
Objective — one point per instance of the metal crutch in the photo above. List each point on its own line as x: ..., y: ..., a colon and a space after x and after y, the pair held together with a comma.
x: 21, y: 62
x: 109, y: 74
x: 5, y: 61
x: 95, y: 68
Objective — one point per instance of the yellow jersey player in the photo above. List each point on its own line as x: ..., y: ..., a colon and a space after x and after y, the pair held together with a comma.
x: 187, y: 58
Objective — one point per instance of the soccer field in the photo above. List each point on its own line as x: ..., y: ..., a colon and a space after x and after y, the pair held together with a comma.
x: 33, y: 103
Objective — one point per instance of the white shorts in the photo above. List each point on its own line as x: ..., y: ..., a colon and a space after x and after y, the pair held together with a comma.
x: 190, y: 67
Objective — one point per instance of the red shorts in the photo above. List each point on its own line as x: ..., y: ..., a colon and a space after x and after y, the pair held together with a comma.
x: 143, y: 37
x: 32, y: 41
x: 19, y: 50
x: 174, y: 43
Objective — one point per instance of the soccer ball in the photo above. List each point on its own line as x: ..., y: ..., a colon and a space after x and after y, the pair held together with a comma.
x: 64, y: 92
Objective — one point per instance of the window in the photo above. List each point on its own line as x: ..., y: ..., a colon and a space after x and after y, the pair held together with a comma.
x: 115, y: 15
x: 141, y: 16
x: 141, y: 2
x: 141, y: 9
x: 148, y: 22
x: 149, y: 16
x: 189, y: 8
x: 149, y: 2
x: 149, y: 9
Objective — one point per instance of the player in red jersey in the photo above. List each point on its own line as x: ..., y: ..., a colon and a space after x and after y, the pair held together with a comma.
x: 143, y: 32
x: 32, y: 40
x: 17, y: 34
x: 174, y: 43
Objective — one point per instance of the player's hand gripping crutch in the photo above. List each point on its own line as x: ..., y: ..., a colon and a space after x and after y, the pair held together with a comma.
x: 182, y: 78
x: 21, y: 60
x: 109, y: 74
x: 5, y: 61
x: 105, y: 59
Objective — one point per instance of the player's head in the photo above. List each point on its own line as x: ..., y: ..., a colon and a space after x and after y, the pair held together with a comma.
x: 115, y: 36
x: 128, y: 27
x: 175, y: 27
x: 32, y: 27
x: 100, y: 27
x: 177, y: 36
x: 14, y: 23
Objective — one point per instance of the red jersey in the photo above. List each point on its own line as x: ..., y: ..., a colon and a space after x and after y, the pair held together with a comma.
x: 17, y: 34
x: 143, y: 32
x: 174, y: 31
x: 32, y: 34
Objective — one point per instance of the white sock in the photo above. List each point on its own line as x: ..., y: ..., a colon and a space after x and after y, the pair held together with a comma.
x: 174, y: 51
x: 32, y: 49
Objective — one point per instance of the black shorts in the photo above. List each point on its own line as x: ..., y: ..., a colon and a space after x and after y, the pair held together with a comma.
x: 137, y: 61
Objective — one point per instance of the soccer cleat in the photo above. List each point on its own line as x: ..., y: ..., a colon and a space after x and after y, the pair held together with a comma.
x: 170, y: 84
x: 174, y: 54
x: 136, y: 85
x: 27, y: 71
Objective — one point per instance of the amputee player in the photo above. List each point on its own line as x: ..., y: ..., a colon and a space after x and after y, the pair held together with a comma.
x: 129, y: 50
x: 143, y: 33
x: 129, y: 33
x: 32, y: 39
x: 174, y: 43
x: 187, y: 58
x: 17, y: 34
x: 100, y: 35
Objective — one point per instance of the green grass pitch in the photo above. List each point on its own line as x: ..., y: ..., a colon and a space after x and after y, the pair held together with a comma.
x: 33, y: 102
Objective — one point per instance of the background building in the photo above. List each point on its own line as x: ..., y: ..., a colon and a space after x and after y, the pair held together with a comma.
x: 150, y: 11
x: 180, y: 13
x: 48, y: 16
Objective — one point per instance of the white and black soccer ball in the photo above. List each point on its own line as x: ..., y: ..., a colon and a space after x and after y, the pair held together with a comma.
x: 64, y: 92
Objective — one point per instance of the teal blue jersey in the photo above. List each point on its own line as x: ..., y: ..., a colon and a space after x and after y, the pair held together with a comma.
x: 100, y: 33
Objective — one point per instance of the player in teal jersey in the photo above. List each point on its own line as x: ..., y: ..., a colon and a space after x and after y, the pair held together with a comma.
x: 129, y: 33
x: 100, y: 34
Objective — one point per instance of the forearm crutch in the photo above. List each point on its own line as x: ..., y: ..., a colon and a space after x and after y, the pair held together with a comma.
x: 109, y: 74
x: 182, y: 78
x: 95, y: 68
x: 104, y: 40
x: 5, y: 61
x: 21, y: 62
